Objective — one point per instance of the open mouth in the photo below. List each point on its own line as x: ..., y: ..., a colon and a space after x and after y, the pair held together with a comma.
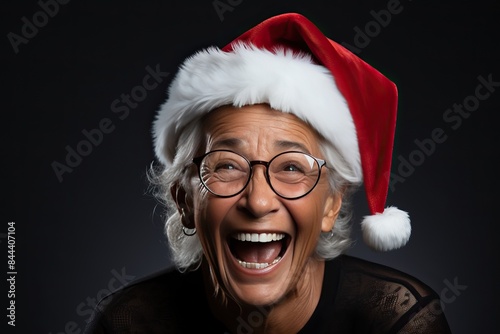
x: 258, y: 250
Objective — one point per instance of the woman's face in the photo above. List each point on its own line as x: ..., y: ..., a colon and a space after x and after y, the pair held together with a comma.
x: 259, y: 133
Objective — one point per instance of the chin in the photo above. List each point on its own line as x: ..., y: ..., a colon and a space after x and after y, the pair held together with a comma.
x: 259, y: 295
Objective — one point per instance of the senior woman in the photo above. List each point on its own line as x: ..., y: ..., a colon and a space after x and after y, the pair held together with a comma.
x: 262, y: 144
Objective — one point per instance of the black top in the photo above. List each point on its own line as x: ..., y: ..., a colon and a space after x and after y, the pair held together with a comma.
x: 357, y: 297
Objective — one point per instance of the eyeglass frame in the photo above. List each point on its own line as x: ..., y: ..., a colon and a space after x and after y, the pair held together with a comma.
x: 251, y: 163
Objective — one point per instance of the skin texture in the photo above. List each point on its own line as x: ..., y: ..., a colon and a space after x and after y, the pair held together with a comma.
x: 286, y: 293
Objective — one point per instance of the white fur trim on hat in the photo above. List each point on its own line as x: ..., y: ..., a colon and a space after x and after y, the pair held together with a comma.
x: 287, y: 81
x: 388, y: 230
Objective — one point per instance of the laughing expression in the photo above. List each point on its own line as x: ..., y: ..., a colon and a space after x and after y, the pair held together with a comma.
x: 256, y: 243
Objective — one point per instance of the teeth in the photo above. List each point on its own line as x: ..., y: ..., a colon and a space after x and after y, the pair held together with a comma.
x: 256, y: 237
x: 252, y: 265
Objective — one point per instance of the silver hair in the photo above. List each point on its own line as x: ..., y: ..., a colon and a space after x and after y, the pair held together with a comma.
x: 187, y: 251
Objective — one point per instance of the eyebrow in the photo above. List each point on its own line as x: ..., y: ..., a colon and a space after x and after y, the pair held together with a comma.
x: 227, y: 142
x: 282, y: 145
x: 291, y: 145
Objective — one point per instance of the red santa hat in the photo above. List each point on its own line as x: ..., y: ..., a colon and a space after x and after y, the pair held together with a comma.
x: 287, y: 62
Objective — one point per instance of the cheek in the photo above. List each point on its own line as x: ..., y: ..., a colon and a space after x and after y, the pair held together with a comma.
x: 207, y: 222
x: 308, y: 217
x: 210, y: 214
x: 308, y: 228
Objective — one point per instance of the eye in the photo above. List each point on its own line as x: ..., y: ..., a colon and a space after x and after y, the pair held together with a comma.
x: 225, y: 166
x: 291, y: 167
x: 288, y: 167
x: 228, y: 166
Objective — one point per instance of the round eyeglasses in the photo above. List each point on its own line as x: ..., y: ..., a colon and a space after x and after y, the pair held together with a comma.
x: 291, y: 174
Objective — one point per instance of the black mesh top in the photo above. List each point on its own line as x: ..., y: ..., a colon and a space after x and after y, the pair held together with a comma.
x: 357, y: 297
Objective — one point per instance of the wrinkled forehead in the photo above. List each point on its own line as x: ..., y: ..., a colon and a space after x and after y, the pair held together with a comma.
x: 261, y: 115
x: 258, y: 127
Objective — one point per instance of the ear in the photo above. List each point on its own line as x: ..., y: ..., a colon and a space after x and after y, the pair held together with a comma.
x: 183, y: 203
x: 332, y: 209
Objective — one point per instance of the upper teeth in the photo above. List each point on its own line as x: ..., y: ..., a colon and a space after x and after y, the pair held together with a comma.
x: 259, y: 237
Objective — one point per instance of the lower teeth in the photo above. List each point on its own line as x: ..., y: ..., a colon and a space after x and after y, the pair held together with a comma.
x: 253, y: 265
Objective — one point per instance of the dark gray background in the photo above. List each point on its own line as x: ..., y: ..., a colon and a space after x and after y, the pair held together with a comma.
x: 74, y: 236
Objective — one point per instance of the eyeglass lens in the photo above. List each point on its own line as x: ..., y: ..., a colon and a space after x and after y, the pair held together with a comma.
x: 290, y: 174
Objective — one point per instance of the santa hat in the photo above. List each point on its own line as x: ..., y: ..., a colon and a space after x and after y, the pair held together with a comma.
x: 287, y: 62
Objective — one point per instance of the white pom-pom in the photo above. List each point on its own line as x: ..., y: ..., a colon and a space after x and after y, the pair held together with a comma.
x: 388, y: 230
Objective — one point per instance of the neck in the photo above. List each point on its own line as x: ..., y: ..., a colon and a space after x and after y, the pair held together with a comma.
x: 287, y: 316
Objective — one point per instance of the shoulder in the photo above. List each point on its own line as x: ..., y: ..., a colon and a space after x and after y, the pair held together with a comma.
x: 152, y: 304
x: 380, y: 274
x: 388, y: 298
x: 165, y: 283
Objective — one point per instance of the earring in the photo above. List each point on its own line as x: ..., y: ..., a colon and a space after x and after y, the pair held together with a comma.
x: 187, y: 231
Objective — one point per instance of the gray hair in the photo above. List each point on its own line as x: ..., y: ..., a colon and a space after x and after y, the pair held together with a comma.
x: 187, y: 251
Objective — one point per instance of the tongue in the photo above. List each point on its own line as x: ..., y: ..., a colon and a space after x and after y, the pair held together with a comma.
x: 256, y: 252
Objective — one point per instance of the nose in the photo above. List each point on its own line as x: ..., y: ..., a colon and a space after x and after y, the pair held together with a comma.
x: 258, y: 198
